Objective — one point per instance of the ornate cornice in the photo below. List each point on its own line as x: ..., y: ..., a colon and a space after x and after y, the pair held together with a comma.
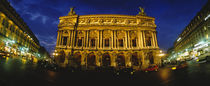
x: 107, y: 20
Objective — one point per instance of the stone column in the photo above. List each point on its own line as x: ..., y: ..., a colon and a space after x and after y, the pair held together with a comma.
x: 83, y: 58
x: 153, y: 41
x: 72, y: 38
x: 127, y: 59
x: 98, y: 57
x: 101, y: 39
x: 112, y: 39
x: 126, y: 36
x: 129, y: 45
x: 58, y: 36
x: 115, y: 35
x: 156, y: 44
x: 84, y: 39
x: 142, y: 59
x: 87, y: 40
x: 113, y: 59
x: 97, y: 46
x: 69, y: 38
x: 144, y: 42
x: 140, y: 41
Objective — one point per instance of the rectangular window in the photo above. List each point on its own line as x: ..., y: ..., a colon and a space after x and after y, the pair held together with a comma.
x: 106, y: 42
x: 134, y: 42
x: 79, y: 42
x: 64, y: 40
x: 92, y: 42
x: 120, y: 42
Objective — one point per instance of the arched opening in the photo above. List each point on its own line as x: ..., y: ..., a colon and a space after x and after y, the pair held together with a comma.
x: 77, y: 59
x: 91, y: 60
x: 120, y: 60
x: 106, y: 60
x: 134, y: 59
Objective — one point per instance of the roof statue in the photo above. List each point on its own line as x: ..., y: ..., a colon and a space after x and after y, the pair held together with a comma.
x: 72, y: 12
x: 142, y: 13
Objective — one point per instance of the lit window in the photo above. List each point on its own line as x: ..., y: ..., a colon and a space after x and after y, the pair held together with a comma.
x: 79, y: 42
x: 64, y: 40
x: 148, y: 41
x: 134, y: 42
x: 120, y: 42
x: 106, y: 42
x: 92, y: 42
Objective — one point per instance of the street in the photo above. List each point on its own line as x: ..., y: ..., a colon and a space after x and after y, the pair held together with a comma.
x: 14, y: 72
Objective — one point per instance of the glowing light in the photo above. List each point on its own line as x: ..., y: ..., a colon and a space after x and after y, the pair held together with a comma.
x: 23, y: 61
x: 173, y: 68
x: 35, y: 60
x: 207, y: 17
x: 203, y: 45
x: 131, y: 73
x: 161, y: 54
x: 179, y: 39
x: 199, y: 43
x: 7, y: 58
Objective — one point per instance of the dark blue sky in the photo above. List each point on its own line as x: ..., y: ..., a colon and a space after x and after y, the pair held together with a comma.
x: 42, y: 16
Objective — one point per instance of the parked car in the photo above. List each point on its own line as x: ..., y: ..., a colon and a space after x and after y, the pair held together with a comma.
x: 152, y: 68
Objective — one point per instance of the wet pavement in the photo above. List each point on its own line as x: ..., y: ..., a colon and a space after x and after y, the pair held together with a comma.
x: 15, y: 72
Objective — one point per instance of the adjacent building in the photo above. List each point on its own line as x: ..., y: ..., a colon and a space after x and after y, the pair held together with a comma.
x: 16, y: 38
x: 193, y: 42
x: 103, y: 40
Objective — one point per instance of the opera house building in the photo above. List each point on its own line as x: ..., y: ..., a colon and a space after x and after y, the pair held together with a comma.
x: 107, y: 40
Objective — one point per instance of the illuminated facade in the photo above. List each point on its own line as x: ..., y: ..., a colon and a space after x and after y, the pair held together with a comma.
x: 194, y: 41
x: 108, y: 40
x: 15, y: 36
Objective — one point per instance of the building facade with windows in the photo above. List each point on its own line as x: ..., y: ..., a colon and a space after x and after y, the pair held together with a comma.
x: 193, y: 42
x: 16, y: 38
x: 108, y: 40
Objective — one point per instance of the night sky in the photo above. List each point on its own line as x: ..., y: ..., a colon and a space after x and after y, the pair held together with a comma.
x: 42, y: 16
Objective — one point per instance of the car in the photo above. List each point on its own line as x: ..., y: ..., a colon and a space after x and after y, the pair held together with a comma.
x: 179, y: 66
x: 152, y: 68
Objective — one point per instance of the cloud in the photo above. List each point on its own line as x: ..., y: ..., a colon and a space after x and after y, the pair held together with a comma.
x: 34, y: 16
x: 48, y: 42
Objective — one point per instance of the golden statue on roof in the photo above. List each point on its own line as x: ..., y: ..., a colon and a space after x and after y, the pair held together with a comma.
x: 142, y: 13
x: 72, y: 12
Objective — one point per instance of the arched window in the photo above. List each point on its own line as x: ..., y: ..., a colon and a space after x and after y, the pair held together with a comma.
x: 91, y: 60
x: 106, y: 60
x: 135, y: 60
x: 121, y: 60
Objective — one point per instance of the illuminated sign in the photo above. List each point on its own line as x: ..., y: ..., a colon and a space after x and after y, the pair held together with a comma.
x: 207, y: 17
